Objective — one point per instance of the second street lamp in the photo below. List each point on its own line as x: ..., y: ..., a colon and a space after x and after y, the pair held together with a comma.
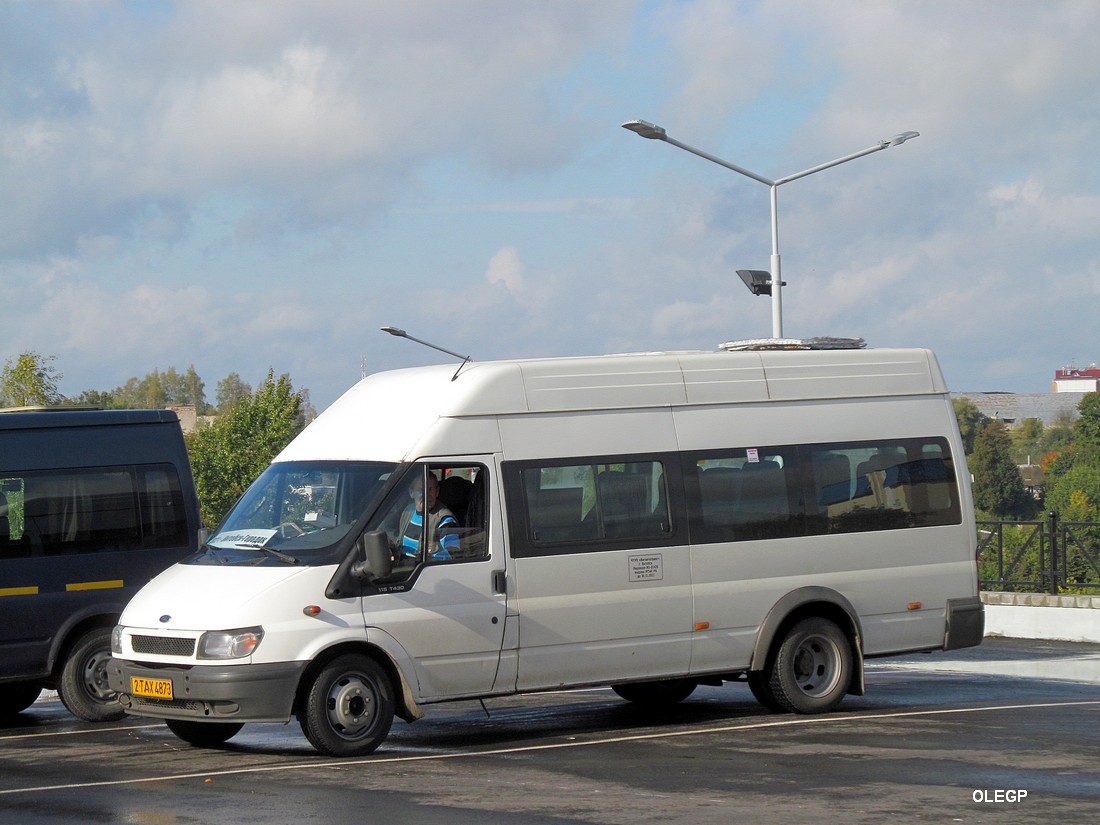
x: 654, y: 132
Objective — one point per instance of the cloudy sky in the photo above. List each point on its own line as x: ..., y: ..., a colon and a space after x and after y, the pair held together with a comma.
x: 252, y: 185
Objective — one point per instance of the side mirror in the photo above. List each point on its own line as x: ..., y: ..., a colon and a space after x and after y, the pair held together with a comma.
x: 374, y: 562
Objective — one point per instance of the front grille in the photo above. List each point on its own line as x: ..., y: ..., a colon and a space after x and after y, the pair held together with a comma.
x: 163, y: 645
x: 141, y: 703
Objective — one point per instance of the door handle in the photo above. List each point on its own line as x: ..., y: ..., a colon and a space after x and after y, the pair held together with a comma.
x: 500, y: 582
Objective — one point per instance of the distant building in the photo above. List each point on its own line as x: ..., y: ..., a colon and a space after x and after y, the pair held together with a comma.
x: 1072, y: 379
x: 1012, y: 407
x: 1059, y: 406
x: 190, y: 421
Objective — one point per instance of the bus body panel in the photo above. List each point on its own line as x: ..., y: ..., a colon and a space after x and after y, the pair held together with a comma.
x: 867, y: 518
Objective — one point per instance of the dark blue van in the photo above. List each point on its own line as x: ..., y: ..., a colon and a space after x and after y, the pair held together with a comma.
x: 93, y: 504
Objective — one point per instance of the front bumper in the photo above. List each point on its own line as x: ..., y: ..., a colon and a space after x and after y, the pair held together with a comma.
x: 231, y: 693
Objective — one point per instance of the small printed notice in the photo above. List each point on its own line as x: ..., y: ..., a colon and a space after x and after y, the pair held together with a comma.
x: 646, y: 568
x: 753, y: 455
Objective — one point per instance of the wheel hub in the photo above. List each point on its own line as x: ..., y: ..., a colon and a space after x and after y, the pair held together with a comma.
x: 95, y: 678
x: 815, y: 668
x: 351, y: 706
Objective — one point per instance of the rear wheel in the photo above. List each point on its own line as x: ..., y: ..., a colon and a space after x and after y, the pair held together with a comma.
x: 812, y: 668
x: 83, y: 683
x: 204, y: 734
x: 656, y: 694
x: 17, y: 697
x: 348, y: 708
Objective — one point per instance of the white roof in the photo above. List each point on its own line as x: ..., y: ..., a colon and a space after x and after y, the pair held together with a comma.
x: 387, y: 415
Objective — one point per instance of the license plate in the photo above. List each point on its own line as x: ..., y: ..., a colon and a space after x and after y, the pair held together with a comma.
x: 152, y: 688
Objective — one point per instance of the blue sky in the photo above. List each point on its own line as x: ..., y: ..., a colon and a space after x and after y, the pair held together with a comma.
x: 252, y: 185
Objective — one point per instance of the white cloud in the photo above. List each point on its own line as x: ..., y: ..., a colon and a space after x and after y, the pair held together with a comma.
x: 263, y: 183
x: 506, y: 268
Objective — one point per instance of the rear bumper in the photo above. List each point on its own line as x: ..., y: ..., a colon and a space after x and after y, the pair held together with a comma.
x: 965, y: 623
x: 231, y: 693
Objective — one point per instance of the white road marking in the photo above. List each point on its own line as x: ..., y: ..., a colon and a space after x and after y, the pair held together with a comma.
x: 574, y: 743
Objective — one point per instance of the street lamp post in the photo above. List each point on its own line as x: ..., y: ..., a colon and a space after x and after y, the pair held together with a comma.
x: 654, y: 132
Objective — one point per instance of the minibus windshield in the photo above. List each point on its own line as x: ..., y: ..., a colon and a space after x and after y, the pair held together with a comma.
x: 296, y: 512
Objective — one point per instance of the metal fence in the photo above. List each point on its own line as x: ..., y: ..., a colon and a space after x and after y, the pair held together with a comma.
x: 1048, y: 556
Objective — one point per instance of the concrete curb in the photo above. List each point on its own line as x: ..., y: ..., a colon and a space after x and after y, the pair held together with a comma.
x: 1042, y: 616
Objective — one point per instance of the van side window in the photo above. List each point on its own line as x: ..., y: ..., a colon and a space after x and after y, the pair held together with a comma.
x: 103, y: 509
x: 814, y: 489
x: 883, y: 486
x: 595, y: 502
x: 744, y: 494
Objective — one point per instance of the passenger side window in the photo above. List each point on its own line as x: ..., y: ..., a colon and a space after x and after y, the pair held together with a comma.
x: 883, y: 486
x: 595, y: 502
x: 742, y: 494
x: 447, y: 524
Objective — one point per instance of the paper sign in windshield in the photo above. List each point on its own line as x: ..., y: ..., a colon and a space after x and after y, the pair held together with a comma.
x: 241, y: 538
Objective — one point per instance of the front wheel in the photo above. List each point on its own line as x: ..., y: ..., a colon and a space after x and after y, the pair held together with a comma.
x: 656, y: 694
x: 347, y: 708
x: 83, y: 683
x: 812, y: 668
x: 204, y: 734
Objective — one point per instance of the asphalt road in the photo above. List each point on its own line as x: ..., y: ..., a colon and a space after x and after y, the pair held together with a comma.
x: 1008, y: 732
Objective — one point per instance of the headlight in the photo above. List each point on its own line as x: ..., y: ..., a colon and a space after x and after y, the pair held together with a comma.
x: 116, y: 640
x: 229, y: 644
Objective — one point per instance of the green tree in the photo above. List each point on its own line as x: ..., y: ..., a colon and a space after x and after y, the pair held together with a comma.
x: 1027, y: 441
x: 998, y: 487
x: 29, y: 380
x: 227, y: 456
x: 231, y: 389
x: 971, y: 420
x: 1086, y: 430
x: 105, y: 400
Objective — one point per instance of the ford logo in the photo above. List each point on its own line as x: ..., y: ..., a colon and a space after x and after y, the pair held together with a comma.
x: 166, y: 618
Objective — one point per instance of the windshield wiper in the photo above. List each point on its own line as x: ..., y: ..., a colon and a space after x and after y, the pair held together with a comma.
x: 279, y: 554
x: 208, y: 551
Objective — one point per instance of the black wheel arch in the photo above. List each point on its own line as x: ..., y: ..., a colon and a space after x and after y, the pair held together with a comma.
x: 801, y: 604
x: 69, y: 635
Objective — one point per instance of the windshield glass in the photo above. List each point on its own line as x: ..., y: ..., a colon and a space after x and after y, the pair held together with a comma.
x: 296, y: 512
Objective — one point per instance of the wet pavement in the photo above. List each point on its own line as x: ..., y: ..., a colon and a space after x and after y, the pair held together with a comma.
x: 1007, y: 732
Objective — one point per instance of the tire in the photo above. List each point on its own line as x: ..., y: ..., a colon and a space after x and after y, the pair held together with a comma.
x: 17, y: 697
x: 82, y: 685
x: 204, y: 734
x: 347, y: 708
x: 656, y: 694
x: 762, y: 691
x: 812, y: 668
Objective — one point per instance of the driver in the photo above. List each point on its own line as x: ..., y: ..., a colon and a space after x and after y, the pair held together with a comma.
x: 441, y: 542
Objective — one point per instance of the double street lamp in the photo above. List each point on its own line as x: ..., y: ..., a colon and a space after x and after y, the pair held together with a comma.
x: 775, y: 284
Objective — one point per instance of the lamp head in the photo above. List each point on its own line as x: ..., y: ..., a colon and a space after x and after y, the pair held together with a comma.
x: 646, y: 129
x: 759, y: 281
x: 898, y: 140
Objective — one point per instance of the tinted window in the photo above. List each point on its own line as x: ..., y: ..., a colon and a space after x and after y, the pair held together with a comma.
x: 775, y: 492
x: 91, y: 510
x: 578, y: 505
x: 882, y: 486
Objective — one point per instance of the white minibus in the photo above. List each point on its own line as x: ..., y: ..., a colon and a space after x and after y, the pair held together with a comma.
x: 651, y: 522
